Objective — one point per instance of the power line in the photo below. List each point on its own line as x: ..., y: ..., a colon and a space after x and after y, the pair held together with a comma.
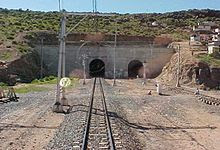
x: 59, y: 5
x: 95, y: 19
x: 94, y: 6
x: 93, y: 10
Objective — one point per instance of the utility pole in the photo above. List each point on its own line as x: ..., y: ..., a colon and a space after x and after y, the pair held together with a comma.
x: 58, y: 106
x: 151, y: 50
x: 59, y: 3
x: 84, y: 69
x: 42, y: 58
x: 178, y: 69
x: 114, y: 82
x: 144, y: 74
x: 84, y: 72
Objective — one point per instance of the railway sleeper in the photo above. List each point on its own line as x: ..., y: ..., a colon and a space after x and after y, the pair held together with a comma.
x: 104, y: 143
x: 102, y: 128
x: 103, y: 132
x: 104, y: 140
x: 104, y: 147
x: 76, y: 147
x: 97, y: 134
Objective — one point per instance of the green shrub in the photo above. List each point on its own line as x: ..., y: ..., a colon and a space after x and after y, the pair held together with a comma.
x: 45, y: 80
x: 210, y: 60
x: 23, y: 48
x: 30, y: 88
x: 35, y: 81
x: 5, y: 56
x: 2, y: 84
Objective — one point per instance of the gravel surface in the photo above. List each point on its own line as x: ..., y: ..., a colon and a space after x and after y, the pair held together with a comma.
x: 70, y: 133
x: 176, y: 120
x: 25, y: 101
x: 118, y: 116
x: 24, y: 123
x: 171, y: 121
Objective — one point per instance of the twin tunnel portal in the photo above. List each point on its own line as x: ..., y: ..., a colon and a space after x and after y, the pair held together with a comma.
x: 100, y: 58
x: 97, y: 68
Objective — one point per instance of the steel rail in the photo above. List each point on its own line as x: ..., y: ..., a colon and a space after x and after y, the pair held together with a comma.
x: 88, y: 121
x: 111, y: 139
x: 86, y: 135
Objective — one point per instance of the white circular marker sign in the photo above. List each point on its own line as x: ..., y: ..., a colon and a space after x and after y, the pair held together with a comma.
x: 65, y: 82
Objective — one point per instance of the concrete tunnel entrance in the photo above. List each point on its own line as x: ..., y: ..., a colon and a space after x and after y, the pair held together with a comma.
x: 134, y: 69
x: 97, y: 68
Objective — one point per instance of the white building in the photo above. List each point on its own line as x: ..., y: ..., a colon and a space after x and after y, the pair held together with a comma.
x: 214, y: 47
x: 216, y: 38
x: 206, y: 26
x: 217, y: 30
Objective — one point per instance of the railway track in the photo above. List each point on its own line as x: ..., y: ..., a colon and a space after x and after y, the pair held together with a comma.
x: 98, y: 128
x: 201, y: 97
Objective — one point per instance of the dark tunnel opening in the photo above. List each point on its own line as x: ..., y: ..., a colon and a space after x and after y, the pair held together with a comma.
x: 97, y: 68
x: 134, y: 69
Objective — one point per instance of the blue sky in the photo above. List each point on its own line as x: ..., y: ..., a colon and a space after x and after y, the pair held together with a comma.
x: 120, y: 6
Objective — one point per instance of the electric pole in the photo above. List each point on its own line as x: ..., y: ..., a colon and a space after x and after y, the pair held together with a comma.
x: 144, y: 74
x: 42, y: 58
x: 58, y: 107
x: 114, y: 82
x: 178, y: 69
x: 84, y: 69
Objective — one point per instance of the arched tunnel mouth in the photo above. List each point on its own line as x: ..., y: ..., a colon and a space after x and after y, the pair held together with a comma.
x: 134, y: 69
x: 97, y: 68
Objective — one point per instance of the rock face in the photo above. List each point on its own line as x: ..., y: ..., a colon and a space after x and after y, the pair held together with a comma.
x: 24, y: 69
x: 215, y: 74
x: 207, y: 76
x: 192, y: 71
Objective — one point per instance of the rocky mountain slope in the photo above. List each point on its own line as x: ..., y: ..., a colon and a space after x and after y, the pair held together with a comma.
x: 193, y: 71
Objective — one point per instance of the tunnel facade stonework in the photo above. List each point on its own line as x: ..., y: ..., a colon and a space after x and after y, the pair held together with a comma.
x: 125, y: 52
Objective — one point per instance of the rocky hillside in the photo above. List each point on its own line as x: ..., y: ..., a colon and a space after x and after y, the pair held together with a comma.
x: 193, y: 70
x: 13, y: 22
x: 24, y: 69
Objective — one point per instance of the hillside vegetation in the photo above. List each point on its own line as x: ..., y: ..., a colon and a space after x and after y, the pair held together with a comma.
x: 17, y: 27
x: 16, y: 24
x: 176, y: 24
